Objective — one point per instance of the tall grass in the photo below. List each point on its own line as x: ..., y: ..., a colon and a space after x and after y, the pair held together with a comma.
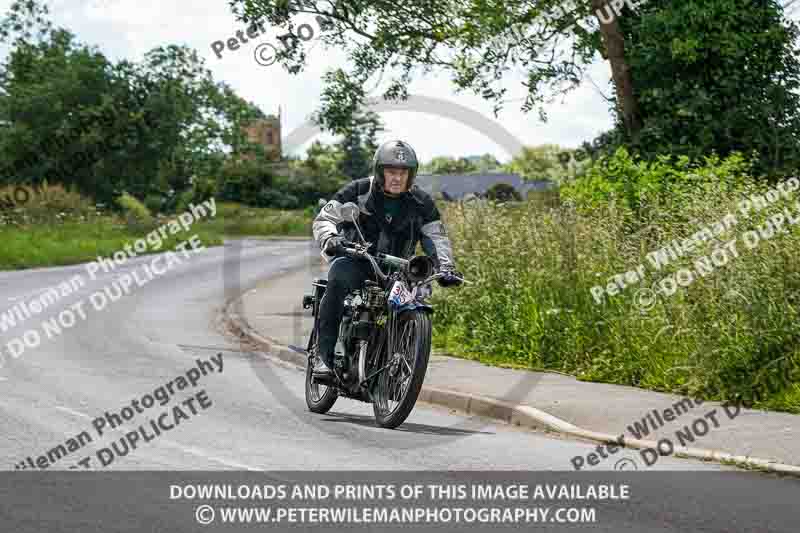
x: 731, y: 334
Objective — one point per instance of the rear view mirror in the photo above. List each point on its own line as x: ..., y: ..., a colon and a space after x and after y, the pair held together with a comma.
x: 350, y: 212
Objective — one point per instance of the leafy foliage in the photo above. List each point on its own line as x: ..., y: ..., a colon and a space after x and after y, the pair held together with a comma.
x: 503, y: 192
x: 133, y: 209
x: 246, y: 181
x: 359, y: 144
x: 730, y: 334
x: 74, y: 117
x: 720, y: 77
x: 476, y: 42
x: 538, y: 163
x: 450, y: 165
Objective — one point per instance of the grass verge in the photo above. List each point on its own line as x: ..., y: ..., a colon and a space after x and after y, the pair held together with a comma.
x: 62, y: 239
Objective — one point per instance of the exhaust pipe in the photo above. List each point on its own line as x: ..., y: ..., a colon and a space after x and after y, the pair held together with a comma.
x: 327, y: 379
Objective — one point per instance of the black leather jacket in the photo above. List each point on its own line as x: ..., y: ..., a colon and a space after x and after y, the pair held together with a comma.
x: 419, y: 222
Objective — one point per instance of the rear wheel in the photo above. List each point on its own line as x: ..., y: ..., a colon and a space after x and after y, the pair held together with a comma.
x: 406, y: 361
x: 319, y: 398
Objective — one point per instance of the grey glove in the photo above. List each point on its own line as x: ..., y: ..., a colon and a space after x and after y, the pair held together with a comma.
x: 333, y: 245
x: 452, y: 278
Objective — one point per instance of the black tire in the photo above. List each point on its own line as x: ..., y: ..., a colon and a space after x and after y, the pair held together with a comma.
x: 319, y: 398
x: 414, y: 342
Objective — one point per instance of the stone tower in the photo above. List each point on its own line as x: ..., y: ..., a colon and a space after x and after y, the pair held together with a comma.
x: 267, y: 133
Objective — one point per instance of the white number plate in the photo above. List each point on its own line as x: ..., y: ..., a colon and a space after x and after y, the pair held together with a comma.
x: 400, y: 295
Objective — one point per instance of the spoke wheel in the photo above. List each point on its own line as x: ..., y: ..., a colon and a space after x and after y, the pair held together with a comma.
x: 319, y: 398
x: 405, y: 362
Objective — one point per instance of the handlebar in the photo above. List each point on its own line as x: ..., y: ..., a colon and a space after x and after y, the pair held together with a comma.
x: 356, y: 250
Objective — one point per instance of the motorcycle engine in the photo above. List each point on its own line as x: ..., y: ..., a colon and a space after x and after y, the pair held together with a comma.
x: 358, y: 323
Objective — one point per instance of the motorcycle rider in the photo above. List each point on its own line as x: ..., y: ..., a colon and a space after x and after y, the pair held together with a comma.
x: 394, y: 215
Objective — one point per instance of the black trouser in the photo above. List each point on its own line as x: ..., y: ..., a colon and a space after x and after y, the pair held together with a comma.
x: 345, y: 274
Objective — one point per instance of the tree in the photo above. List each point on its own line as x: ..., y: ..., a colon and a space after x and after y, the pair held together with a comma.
x: 244, y: 180
x: 538, y: 163
x: 476, y: 41
x: 613, y: 49
x: 716, y: 77
x: 74, y: 117
x: 322, y: 160
x: 317, y: 176
x: 359, y: 145
x: 485, y: 163
x: 450, y: 165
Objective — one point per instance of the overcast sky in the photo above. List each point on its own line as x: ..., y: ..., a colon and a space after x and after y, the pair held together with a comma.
x: 129, y: 28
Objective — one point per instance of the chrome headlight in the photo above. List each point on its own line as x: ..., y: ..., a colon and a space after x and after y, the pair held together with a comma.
x: 420, y: 268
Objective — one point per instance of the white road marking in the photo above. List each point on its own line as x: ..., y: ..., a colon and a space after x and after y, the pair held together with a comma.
x: 72, y: 412
x: 35, y: 293
x: 198, y: 452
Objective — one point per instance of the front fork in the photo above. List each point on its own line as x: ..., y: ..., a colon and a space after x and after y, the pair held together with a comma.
x: 361, y: 350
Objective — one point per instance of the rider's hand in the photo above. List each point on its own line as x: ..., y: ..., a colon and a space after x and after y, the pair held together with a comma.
x: 451, y: 278
x: 334, y: 245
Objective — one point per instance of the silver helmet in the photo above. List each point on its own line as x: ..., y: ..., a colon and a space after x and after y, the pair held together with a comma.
x: 394, y: 154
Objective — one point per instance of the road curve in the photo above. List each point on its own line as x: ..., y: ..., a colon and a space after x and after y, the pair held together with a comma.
x: 254, y: 416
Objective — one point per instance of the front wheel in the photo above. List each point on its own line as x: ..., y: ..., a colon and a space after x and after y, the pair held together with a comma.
x: 405, y: 363
x: 319, y: 398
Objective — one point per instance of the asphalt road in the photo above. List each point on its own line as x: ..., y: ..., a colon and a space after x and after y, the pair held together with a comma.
x: 252, y: 415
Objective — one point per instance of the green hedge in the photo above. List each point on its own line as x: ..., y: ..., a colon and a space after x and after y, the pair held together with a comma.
x: 731, y: 334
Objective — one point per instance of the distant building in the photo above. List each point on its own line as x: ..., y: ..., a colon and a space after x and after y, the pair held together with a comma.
x: 457, y: 186
x: 267, y: 133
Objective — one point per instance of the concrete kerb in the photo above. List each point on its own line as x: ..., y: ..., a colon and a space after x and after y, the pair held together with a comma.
x: 514, y: 414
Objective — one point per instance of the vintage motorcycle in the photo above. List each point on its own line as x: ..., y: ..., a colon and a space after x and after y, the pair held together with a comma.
x: 384, y: 338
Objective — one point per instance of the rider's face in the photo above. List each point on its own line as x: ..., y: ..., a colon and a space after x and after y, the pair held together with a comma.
x: 395, y: 180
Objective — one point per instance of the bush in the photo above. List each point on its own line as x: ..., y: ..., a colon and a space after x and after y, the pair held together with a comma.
x: 503, y: 192
x: 180, y: 202
x: 203, y: 188
x: 134, y: 210
x: 276, y: 198
x: 646, y: 192
x: 729, y: 335
x: 243, y: 181
x: 154, y: 203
